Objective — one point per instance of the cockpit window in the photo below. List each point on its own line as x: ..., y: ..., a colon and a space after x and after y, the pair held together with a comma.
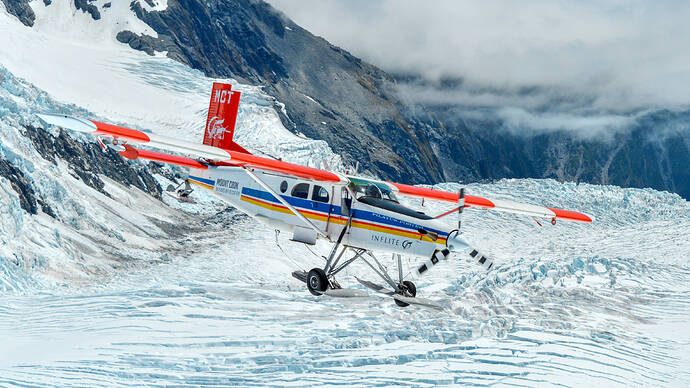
x: 301, y: 190
x: 320, y: 194
x: 373, y: 189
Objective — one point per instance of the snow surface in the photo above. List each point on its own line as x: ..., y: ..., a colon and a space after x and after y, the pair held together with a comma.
x: 129, y: 290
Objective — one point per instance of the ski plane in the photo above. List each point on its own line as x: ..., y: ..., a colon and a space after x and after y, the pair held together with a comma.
x: 357, y: 215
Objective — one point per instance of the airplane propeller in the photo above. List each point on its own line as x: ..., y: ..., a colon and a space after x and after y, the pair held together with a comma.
x: 455, y: 243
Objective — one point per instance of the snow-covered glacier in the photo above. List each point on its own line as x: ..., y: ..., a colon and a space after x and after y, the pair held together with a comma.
x: 128, y: 290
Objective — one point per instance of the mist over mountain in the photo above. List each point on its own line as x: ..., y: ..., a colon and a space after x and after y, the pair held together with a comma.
x: 643, y: 148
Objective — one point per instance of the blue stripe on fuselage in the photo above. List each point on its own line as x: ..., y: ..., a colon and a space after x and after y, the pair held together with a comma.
x: 203, y: 180
x: 361, y: 215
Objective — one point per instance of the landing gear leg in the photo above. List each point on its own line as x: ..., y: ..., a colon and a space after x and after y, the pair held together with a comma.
x: 405, y: 287
x: 318, y: 279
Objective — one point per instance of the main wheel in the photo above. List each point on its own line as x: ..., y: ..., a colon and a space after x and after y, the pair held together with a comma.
x: 408, y: 289
x: 317, y: 282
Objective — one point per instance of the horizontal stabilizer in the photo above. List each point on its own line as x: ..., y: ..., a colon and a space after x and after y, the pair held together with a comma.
x: 73, y: 123
x: 128, y: 135
x: 133, y: 153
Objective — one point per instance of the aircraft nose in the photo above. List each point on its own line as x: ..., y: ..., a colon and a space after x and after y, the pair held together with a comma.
x: 455, y: 242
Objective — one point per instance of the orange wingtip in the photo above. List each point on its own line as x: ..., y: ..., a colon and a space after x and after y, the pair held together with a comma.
x: 570, y: 215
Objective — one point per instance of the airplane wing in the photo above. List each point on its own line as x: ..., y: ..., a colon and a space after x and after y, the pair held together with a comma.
x: 123, y: 138
x: 483, y: 203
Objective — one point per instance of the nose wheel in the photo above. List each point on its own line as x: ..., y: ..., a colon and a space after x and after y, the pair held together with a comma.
x: 407, y: 288
x: 317, y: 282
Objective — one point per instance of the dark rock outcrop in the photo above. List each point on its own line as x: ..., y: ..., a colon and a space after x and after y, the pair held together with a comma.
x: 149, y: 44
x: 87, y: 161
x: 86, y: 6
x: 28, y: 199
x: 22, y: 10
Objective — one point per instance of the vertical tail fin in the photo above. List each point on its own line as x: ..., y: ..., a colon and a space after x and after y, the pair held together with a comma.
x: 222, y: 116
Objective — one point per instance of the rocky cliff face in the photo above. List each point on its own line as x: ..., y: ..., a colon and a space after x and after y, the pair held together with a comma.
x: 87, y: 162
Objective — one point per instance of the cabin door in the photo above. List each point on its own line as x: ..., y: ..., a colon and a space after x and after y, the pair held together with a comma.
x: 340, y: 205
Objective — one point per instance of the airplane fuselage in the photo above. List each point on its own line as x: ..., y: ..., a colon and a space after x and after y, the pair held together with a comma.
x: 327, y: 206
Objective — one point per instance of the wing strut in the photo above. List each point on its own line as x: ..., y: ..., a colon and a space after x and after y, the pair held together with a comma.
x: 284, y: 202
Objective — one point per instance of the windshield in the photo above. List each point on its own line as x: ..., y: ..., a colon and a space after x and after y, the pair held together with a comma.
x: 365, y: 188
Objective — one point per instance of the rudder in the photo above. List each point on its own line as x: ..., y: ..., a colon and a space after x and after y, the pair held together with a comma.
x: 222, y: 116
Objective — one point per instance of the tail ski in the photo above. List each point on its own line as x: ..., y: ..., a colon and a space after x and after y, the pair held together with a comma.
x: 222, y: 116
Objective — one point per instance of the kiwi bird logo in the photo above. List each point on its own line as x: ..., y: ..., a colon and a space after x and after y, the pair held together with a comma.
x: 215, y: 128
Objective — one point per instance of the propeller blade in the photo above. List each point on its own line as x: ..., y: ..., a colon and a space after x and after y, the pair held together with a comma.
x: 461, y: 206
x: 459, y: 245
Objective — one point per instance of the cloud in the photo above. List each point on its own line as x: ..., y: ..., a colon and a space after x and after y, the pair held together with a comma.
x: 594, y: 126
x: 590, y: 58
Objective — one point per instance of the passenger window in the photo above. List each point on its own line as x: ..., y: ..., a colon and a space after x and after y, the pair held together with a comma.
x: 320, y: 194
x: 301, y: 190
x: 283, y: 186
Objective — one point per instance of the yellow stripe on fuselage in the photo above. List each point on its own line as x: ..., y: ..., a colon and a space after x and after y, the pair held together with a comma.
x: 269, y: 206
x: 340, y: 221
x: 204, y: 185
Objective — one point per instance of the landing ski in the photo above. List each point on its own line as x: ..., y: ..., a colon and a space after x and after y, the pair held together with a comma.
x: 419, y: 302
x: 375, y: 287
x: 345, y: 293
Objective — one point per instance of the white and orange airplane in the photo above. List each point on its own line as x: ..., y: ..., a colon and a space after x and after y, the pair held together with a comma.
x: 356, y: 214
